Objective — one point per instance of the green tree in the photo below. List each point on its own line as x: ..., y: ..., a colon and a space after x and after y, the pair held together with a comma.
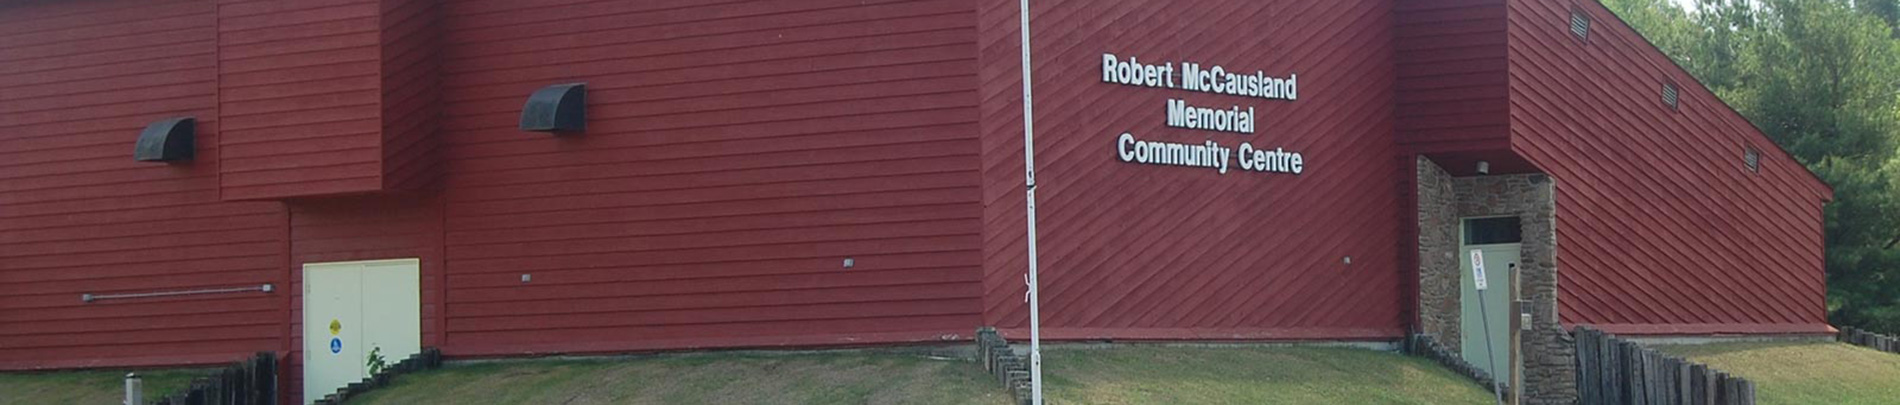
x: 1820, y: 78
x: 1887, y: 10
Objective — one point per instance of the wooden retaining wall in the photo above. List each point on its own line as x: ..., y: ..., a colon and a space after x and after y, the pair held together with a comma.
x: 1611, y: 370
x: 1858, y: 337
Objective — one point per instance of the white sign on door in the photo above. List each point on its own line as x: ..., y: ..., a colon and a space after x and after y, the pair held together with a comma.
x: 1477, y: 268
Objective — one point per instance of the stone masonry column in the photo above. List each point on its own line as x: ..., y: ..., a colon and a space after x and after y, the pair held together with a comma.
x: 1438, y: 307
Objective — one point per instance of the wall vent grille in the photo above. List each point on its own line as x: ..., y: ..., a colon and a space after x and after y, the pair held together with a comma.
x: 1752, y: 157
x: 1579, y: 24
x: 1671, y: 96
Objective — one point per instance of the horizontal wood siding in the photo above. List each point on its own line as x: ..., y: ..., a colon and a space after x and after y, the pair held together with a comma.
x: 411, y: 93
x: 1452, y: 90
x: 737, y: 153
x: 300, y: 90
x: 78, y: 82
x: 1156, y: 252
x: 1659, y: 221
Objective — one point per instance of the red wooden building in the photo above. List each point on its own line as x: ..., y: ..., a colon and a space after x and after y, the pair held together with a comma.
x: 814, y: 173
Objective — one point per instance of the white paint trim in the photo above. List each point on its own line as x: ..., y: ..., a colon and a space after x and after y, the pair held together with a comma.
x: 417, y: 261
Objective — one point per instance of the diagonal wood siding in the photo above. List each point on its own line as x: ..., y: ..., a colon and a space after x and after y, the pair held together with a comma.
x: 1661, y: 226
x: 1156, y: 252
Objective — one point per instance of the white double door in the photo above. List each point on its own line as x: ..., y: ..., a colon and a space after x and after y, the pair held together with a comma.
x: 353, y: 311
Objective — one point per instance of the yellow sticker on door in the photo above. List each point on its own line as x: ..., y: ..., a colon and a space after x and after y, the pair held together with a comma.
x: 336, y: 342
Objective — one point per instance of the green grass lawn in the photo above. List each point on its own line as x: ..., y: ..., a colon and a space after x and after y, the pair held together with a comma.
x: 717, y: 378
x: 1804, y: 372
x: 88, y: 387
x: 1076, y: 375
x: 1250, y: 375
x: 1121, y: 375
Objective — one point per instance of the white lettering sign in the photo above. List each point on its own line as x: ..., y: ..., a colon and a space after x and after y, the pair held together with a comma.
x: 1238, y: 119
x: 1197, y: 77
x: 1182, y: 115
x: 1207, y: 155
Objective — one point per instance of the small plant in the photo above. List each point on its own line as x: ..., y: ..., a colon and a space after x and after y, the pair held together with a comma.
x: 376, y: 363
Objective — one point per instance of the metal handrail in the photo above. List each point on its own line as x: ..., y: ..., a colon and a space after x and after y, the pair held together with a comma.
x: 89, y: 297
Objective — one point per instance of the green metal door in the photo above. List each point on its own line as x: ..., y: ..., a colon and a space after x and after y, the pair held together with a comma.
x: 1498, y: 259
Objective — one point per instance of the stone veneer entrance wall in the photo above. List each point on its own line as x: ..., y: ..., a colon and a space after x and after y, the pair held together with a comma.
x: 1548, y: 350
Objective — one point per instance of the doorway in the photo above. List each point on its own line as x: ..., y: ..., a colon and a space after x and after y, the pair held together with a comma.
x: 1485, y: 338
x: 358, y: 316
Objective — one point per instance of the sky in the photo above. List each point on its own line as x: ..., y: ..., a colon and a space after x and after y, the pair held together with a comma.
x: 1686, y: 4
x: 1690, y: 5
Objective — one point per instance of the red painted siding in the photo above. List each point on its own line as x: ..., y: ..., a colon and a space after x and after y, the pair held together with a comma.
x: 327, y: 97
x: 78, y: 81
x: 739, y: 152
x: 411, y: 93
x: 736, y: 154
x: 300, y: 92
x: 1661, y: 226
x: 1452, y: 91
x: 1153, y: 252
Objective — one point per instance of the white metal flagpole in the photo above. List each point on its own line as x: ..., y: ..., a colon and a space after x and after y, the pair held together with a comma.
x: 1029, y: 181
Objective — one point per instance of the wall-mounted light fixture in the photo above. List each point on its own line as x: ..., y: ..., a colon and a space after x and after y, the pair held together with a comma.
x: 558, y: 108
x: 168, y: 140
x: 1484, y: 167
